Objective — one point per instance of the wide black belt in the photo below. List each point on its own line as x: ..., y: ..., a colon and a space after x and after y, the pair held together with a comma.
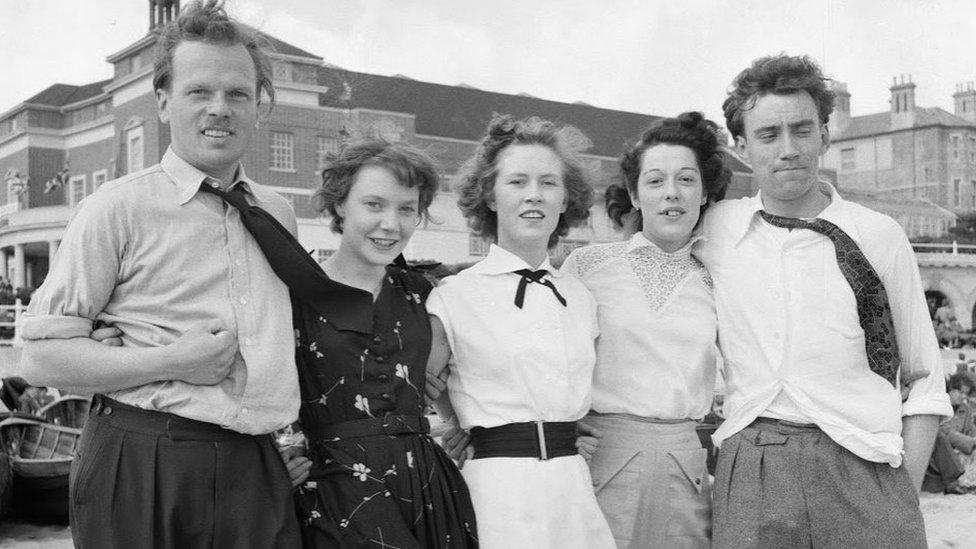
x: 389, y: 425
x: 536, y: 439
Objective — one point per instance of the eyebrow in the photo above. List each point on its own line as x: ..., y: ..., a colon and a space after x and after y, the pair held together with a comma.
x: 652, y: 170
x: 774, y: 127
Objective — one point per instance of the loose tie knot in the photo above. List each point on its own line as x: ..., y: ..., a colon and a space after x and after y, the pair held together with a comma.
x: 873, y: 308
x: 536, y: 277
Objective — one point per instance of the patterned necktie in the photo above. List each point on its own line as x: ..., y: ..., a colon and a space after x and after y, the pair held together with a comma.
x: 536, y: 277
x: 294, y: 266
x: 873, y: 309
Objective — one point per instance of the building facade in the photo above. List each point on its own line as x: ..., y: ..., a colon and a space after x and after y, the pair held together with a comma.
x: 909, y: 155
x: 60, y: 145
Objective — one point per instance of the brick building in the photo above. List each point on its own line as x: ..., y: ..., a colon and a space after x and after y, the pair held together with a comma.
x: 63, y: 143
x: 909, y: 155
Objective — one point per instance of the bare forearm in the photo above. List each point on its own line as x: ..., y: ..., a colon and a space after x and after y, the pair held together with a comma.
x: 918, y: 433
x: 83, y: 365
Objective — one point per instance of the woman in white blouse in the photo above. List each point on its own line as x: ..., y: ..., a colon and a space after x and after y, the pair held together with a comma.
x: 655, y: 369
x: 521, y: 338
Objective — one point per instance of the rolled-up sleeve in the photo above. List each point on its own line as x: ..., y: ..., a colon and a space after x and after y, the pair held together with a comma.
x: 916, y: 339
x: 82, y: 275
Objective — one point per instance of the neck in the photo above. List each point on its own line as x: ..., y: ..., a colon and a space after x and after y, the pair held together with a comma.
x: 811, y: 207
x: 669, y: 246
x: 533, y: 253
x: 350, y: 270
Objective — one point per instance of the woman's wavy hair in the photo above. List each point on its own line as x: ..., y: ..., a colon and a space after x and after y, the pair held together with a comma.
x: 689, y: 129
x: 476, y: 184
x: 411, y: 167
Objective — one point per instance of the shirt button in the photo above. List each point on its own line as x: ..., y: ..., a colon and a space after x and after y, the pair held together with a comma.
x: 214, y: 184
x: 107, y: 411
x: 380, y: 359
x: 243, y: 300
x: 247, y: 341
x: 244, y: 411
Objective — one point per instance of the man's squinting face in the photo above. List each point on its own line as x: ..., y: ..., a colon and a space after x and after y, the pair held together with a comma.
x: 783, y: 140
x: 210, y: 106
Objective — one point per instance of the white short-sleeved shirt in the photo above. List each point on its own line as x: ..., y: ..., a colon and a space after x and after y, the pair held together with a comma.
x: 656, y: 350
x: 514, y: 365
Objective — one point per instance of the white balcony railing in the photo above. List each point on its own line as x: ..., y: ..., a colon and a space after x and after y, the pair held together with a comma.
x: 954, y: 248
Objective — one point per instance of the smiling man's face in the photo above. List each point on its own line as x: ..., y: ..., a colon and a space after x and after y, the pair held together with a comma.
x: 210, y: 106
x: 783, y: 141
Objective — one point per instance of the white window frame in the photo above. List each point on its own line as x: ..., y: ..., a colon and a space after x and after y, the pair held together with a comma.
x: 324, y: 146
x: 282, y: 152
x: 98, y: 179
x: 477, y: 245
x: 76, y: 189
x: 134, y: 162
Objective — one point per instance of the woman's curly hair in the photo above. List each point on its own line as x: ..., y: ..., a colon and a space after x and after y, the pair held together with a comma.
x: 689, y: 129
x: 411, y: 167
x: 476, y: 184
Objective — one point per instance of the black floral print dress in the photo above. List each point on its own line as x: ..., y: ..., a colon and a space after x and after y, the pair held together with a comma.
x: 377, y: 479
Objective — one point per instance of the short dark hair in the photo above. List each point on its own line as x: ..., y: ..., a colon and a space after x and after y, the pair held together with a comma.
x: 689, y: 129
x: 409, y: 165
x: 206, y: 21
x: 960, y: 379
x: 476, y: 184
x: 780, y: 74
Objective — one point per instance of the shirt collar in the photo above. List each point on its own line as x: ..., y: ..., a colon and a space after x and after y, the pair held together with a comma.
x: 638, y: 240
x: 837, y: 212
x: 188, y: 178
x: 501, y: 261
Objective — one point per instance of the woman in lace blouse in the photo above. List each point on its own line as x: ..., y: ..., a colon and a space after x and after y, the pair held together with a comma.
x: 655, y: 369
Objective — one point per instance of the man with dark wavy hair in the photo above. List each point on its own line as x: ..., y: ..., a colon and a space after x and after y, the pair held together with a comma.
x: 822, y: 318
x: 176, y: 451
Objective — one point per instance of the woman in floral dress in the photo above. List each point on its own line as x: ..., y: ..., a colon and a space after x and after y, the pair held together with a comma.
x: 377, y: 477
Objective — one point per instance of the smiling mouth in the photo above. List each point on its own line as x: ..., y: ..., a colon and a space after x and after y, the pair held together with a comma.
x: 532, y: 214
x: 216, y: 133
x: 672, y: 212
x: 384, y: 243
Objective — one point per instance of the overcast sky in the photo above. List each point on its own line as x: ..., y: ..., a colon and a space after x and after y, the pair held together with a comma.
x: 647, y: 56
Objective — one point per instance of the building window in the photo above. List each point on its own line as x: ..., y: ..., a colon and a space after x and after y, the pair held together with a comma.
x: 99, y: 177
x: 972, y: 194
x: 282, y: 151
x: 478, y: 246
x: 847, y: 159
x: 956, y: 192
x: 134, y: 148
x: 972, y: 150
x: 321, y: 255
x: 76, y: 190
x: 955, y: 147
x: 324, y: 146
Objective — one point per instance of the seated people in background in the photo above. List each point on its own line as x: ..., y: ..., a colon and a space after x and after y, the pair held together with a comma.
x: 960, y: 429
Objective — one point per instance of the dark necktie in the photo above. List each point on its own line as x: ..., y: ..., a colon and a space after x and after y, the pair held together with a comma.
x: 873, y: 309
x: 295, y: 267
x: 537, y: 277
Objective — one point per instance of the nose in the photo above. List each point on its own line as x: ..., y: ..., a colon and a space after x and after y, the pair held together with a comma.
x: 533, y: 192
x: 218, y: 105
x: 788, y: 150
x: 671, y: 189
x: 388, y: 220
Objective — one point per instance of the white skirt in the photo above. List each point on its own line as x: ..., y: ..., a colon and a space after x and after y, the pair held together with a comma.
x: 534, y: 504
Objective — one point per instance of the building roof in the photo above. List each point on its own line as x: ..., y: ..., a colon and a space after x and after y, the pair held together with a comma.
x: 462, y: 112
x: 880, y: 202
x: 879, y: 123
x: 59, y: 95
x: 284, y: 48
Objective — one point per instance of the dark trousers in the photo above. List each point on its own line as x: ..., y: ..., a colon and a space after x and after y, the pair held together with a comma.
x: 788, y: 486
x: 944, y: 467
x: 152, y: 479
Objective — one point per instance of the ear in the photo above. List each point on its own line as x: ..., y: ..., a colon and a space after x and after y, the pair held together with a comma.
x: 340, y: 209
x: 740, y: 145
x: 565, y: 205
x: 162, y: 105
x: 824, y: 138
x: 634, y: 200
x: 490, y: 201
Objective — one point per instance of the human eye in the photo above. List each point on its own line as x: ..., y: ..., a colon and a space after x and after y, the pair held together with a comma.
x: 805, y: 131
x: 240, y: 95
x: 408, y: 209
x: 374, y: 205
x: 196, y: 92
